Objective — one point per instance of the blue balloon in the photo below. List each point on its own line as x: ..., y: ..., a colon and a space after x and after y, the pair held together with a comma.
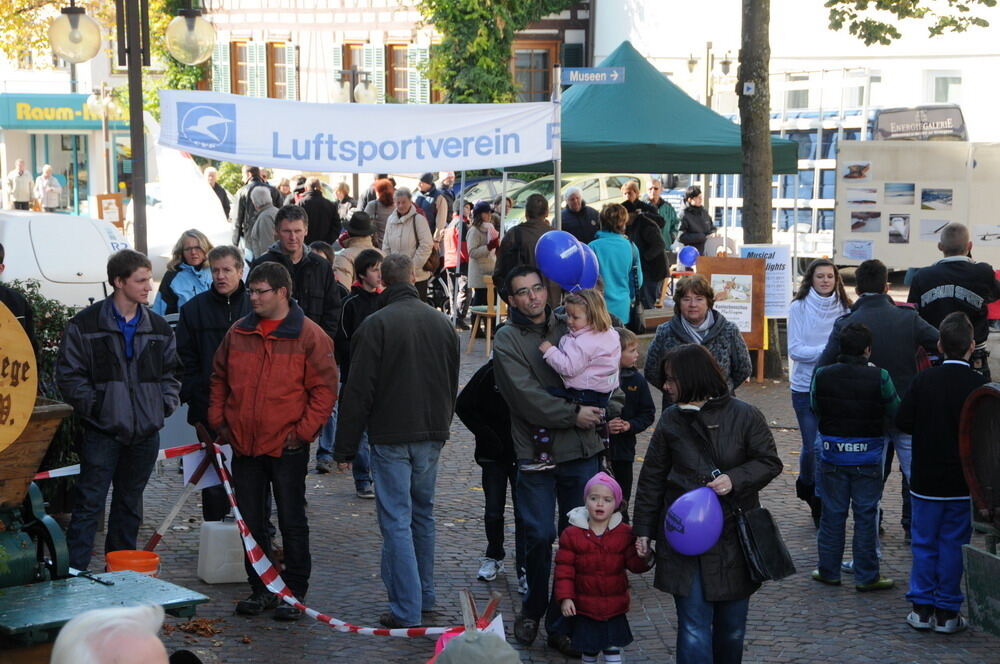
x: 559, y: 256
x: 687, y: 256
x: 591, y: 268
x: 693, y: 522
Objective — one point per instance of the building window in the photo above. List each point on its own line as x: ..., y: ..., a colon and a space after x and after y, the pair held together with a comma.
x: 353, y: 56
x: 532, y: 64
x: 240, y: 68
x: 399, y: 75
x: 278, y: 70
x: 947, y: 89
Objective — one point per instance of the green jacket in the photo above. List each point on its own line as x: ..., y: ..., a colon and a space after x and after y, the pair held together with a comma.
x: 669, y: 214
x: 523, y: 376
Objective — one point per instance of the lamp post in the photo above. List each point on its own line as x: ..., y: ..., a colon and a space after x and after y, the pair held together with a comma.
x: 101, y: 103
x: 725, y: 64
x: 74, y: 39
x: 355, y: 87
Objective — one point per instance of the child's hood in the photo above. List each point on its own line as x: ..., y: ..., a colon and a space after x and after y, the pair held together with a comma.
x: 579, y: 517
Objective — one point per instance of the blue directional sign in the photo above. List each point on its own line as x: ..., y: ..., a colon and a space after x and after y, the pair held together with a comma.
x: 593, y: 75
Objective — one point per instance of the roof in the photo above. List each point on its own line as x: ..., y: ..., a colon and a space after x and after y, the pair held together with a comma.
x: 648, y: 124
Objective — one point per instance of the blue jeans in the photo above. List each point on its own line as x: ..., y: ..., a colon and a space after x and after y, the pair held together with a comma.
x: 709, y: 632
x: 850, y: 487
x: 809, y: 428
x: 361, y: 467
x: 254, y: 480
x: 939, y: 529
x: 405, y: 474
x: 903, y: 444
x: 538, y: 494
x: 105, y: 462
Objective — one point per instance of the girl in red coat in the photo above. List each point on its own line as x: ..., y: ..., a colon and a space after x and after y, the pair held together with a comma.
x: 591, y: 585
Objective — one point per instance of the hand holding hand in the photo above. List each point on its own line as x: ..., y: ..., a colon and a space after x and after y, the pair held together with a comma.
x: 618, y: 425
x: 568, y: 608
x: 642, y: 547
x: 721, y: 485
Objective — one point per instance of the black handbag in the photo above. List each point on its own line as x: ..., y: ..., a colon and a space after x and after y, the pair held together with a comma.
x: 765, y: 552
x: 636, y: 321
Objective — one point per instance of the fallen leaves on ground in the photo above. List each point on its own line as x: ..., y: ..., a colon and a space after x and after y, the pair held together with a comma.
x: 201, y: 626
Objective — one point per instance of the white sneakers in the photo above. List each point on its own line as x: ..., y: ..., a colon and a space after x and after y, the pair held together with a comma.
x: 489, y: 569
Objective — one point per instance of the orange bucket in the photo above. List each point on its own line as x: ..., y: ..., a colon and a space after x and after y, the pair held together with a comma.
x: 146, y: 562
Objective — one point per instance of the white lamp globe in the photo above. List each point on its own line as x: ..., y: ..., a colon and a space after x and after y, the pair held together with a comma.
x: 190, y: 38
x: 75, y: 37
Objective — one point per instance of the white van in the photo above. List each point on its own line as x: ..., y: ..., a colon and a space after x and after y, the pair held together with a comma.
x: 67, y: 254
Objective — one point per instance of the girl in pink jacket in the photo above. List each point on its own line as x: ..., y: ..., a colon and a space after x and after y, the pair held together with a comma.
x: 587, y: 358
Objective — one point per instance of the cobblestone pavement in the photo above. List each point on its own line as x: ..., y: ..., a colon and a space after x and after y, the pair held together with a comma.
x: 795, y: 620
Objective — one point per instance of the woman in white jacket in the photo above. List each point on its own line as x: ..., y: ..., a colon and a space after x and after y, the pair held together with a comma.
x: 820, y: 300
x: 407, y: 232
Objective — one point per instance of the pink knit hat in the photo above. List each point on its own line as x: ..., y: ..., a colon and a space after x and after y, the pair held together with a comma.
x: 606, y: 480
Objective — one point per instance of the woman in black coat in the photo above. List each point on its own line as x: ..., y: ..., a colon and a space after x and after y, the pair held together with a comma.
x: 696, y: 224
x: 707, y: 438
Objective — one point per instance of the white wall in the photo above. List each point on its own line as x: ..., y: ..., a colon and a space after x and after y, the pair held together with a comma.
x: 668, y: 32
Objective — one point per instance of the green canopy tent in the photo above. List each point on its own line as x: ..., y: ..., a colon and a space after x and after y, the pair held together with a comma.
x: 649, y: 125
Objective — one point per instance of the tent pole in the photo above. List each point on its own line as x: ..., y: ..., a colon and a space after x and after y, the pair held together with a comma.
x: 460, y: 200
x: 795, y: 230
x: 557, y: 162
x: 503, y: 214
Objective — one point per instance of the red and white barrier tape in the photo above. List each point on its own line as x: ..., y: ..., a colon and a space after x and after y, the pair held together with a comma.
x: 168, y: 453
x: 274, y: 583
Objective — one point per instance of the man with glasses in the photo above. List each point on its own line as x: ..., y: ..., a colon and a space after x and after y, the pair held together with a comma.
x: 273, y: 386
x: 523, y: 378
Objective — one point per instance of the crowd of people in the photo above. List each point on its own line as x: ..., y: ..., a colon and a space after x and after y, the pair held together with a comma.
x: 326, y: 335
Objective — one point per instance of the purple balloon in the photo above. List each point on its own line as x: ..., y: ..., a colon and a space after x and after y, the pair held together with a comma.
x: 559, y: 256
x: 694, y: 522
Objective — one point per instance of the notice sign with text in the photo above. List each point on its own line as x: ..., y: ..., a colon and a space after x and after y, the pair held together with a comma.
x: 358, y: 138
x: 733, y: 299
x: 777, y: 276
x: 738, y: 284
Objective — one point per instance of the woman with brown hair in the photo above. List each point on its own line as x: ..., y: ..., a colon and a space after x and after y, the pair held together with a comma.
x: 820, y: 300
x: 707, y: 438
x: 187, y: 273
x: 618, y: 259
x: 696, y: 322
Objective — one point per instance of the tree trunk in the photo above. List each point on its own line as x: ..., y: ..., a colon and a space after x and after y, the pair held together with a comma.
x: 755, y: 130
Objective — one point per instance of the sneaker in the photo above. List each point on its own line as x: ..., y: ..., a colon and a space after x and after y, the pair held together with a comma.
x: 489, y: 569
x: 324, y: 466
x: 522, y: 584
x: 847, y: 567
x: 881, y: 583
x: 822, y: 579
x: 461, y: 325
x: 525, y: 629
x: 563, y: 644
x: 537, y: 467
x: 258, y: 602
x: 368, y: 492
x: 287, y: 612
x: 948, y: 622
x: 921, y: 617
x: 389, y: 619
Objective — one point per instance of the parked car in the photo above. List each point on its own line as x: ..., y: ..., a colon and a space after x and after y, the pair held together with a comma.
x: 599, y: 189
x: 485, y: 188
x: 66, y: 253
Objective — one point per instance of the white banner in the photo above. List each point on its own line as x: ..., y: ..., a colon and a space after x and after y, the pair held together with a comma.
x: 357, y: 138
x: 777, y: 276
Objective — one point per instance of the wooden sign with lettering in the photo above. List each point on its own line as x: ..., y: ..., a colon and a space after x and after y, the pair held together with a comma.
x: 18, y: 378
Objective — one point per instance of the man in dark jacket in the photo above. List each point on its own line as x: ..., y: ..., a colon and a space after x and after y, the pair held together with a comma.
x: 324, y: 221
x: 523, y: 378
x: 579, y: 219
x: 315, y: 288
x: 243, y: 214
x: 897, y: 334
x: 212, y: 179
x: 957, y: 283
x: 645, y: 229
x: 204, y: 321
x: 117, y: 367
x: 518, y: 247
x: 402, y: 388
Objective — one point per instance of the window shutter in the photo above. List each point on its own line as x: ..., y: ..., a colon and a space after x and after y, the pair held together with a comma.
x: 257, y: 69
x: 373, y: 62
x: 418, y: 86
x: 572, y: 55
x: 291, y: 71
x: 221, y: 81
x: 337, y: 60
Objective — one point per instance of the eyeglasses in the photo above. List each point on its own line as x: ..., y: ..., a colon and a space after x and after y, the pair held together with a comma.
x: 258, y: 291
x: 194, y: 248
x: 536, y: 289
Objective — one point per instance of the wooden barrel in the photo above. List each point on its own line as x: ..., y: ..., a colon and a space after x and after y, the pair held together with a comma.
x: 20, y: 461
x: 979, y: 446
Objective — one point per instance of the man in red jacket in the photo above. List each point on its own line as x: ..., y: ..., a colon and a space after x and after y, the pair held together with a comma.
x: 273, y: 386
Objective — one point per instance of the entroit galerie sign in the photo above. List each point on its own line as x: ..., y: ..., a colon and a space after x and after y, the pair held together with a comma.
x: 369, y: 138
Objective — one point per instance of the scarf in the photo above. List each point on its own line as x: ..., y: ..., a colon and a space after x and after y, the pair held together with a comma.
x: 822, y: 307
x: 699, y: 331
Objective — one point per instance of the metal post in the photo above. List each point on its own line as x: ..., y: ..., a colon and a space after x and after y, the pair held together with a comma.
x: 503, y: 199
x: 134, y: 55
x: 795, y: 229
x: 708, y: 73
x: 106, y: 133
x: 557, y: 162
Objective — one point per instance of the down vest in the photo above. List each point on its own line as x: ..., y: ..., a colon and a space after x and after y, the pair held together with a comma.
x: 590, y: 569
x: 678, y: 461
x: 264, y: 388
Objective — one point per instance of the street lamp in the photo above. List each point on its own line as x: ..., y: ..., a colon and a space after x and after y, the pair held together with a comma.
x: 101, y: 103
x: 190, y: 38
x: 75, y: 37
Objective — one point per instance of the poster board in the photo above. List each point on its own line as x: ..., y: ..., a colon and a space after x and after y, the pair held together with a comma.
x: 739, y: 293
x: 894, y: 197
x: 110, y: 208
x: 777, y: 276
